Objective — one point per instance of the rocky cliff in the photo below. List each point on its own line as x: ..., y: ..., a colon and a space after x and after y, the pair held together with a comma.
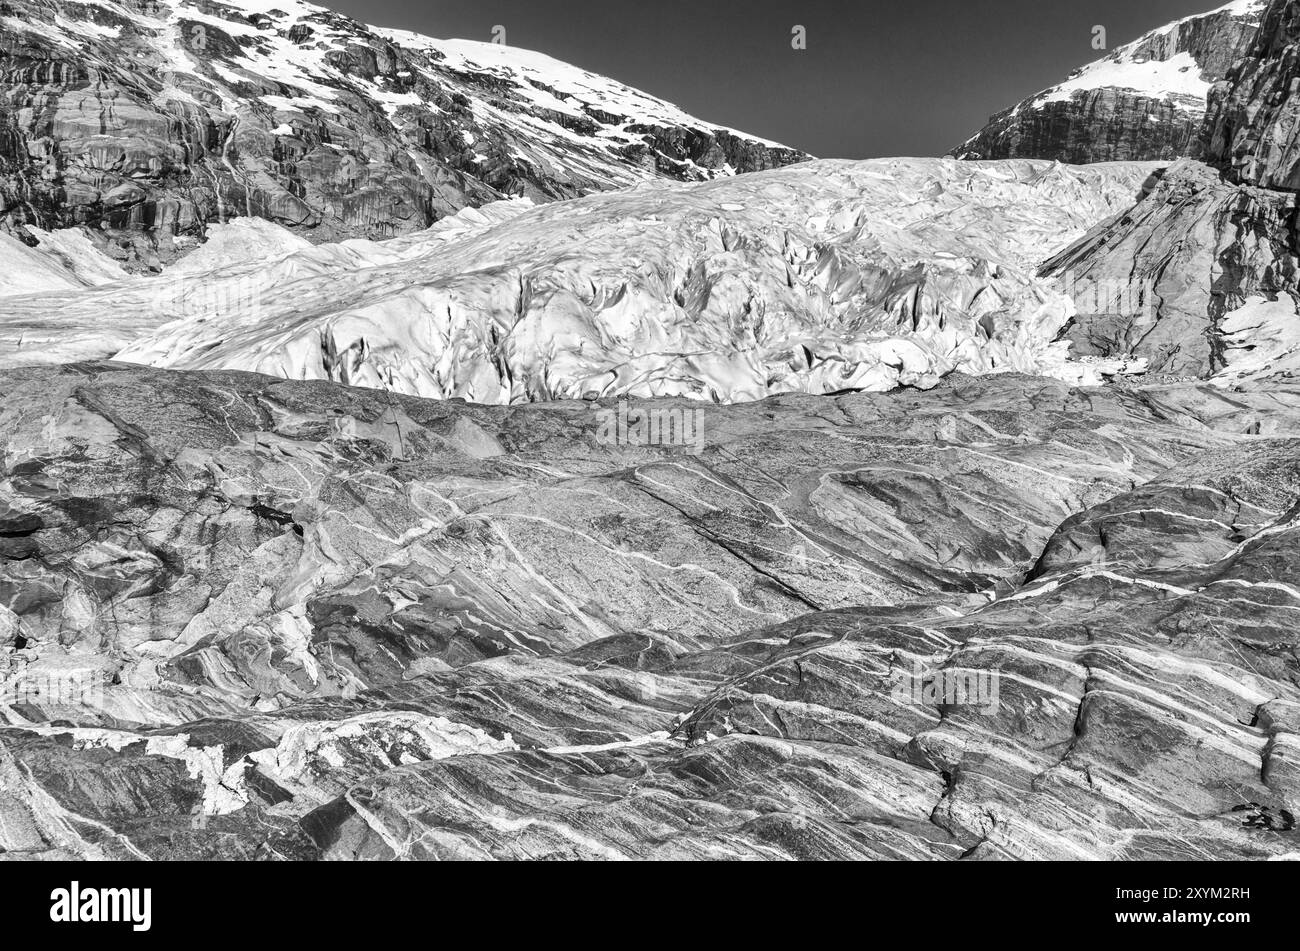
x: 1252, y: 131
x: 1143, y: 101
x: 145, y: 120
x: 1161, y: 277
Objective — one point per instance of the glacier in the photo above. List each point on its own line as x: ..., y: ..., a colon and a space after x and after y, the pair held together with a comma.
x: 819, y: 277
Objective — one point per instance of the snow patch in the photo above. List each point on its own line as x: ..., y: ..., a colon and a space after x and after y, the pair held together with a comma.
x: 1261, y: 339
x: 1176, y: 78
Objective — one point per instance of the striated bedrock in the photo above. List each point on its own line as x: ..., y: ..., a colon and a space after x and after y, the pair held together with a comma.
x: 144, y: 120
x: 822, y: 277
x: 244, y: 617
x: 1142, y: 102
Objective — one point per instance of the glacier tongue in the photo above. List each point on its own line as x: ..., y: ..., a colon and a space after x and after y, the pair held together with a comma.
x: 818, y: 278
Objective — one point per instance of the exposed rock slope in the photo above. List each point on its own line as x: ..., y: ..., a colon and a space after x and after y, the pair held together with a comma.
x: 1143, y: 101
x: 252, y: 618
x: 1176, y: 265
x: 143, y: 120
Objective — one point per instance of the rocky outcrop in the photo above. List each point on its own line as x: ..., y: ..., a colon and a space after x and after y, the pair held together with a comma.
x: 1145, y: 101
x: 243, y: 617
x: 143, y: 121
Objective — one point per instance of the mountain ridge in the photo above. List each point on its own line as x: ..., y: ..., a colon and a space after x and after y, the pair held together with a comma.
x: 142, y: 121
x: 1143, y: 101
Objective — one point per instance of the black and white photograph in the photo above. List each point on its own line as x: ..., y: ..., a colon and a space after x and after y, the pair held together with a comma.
x: 601, y: 431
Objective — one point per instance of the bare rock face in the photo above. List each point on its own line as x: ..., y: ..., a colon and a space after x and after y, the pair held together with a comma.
x: 243, y: 617
x: 145, y: 120
x: 1252, y: 126
x: 1095, y: 125
x: 1143, y: 102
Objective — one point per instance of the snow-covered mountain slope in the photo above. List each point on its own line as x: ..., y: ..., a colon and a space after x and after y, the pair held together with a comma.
x: 821, y: 277
x: 1143, y: 101
x: 148, y: 119
x: 53, y: 260
x: 1261, y: 341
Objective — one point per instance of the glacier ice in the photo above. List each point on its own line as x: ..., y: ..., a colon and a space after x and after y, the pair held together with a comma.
x: 822, y: 277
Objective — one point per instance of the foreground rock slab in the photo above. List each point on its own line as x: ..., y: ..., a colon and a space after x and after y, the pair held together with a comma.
x: 243, y: 617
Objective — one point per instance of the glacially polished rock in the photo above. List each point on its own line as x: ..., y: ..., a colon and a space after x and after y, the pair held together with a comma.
x: 245, y: 617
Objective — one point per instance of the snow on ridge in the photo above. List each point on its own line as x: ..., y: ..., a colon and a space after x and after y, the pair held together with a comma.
x: 527, y: 67
x: 1236, y: 8
x: 593, y: 89
x: 565, y: 130
x: 1178, y: 78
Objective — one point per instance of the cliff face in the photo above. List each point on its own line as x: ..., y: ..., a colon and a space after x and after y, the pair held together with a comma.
x: 1174, y: 266
x: 1144, y: 101
x: 1253, y: 129
x: 145, y: 120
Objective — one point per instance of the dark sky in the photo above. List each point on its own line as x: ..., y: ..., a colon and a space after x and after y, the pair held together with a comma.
x: 908, y: 77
